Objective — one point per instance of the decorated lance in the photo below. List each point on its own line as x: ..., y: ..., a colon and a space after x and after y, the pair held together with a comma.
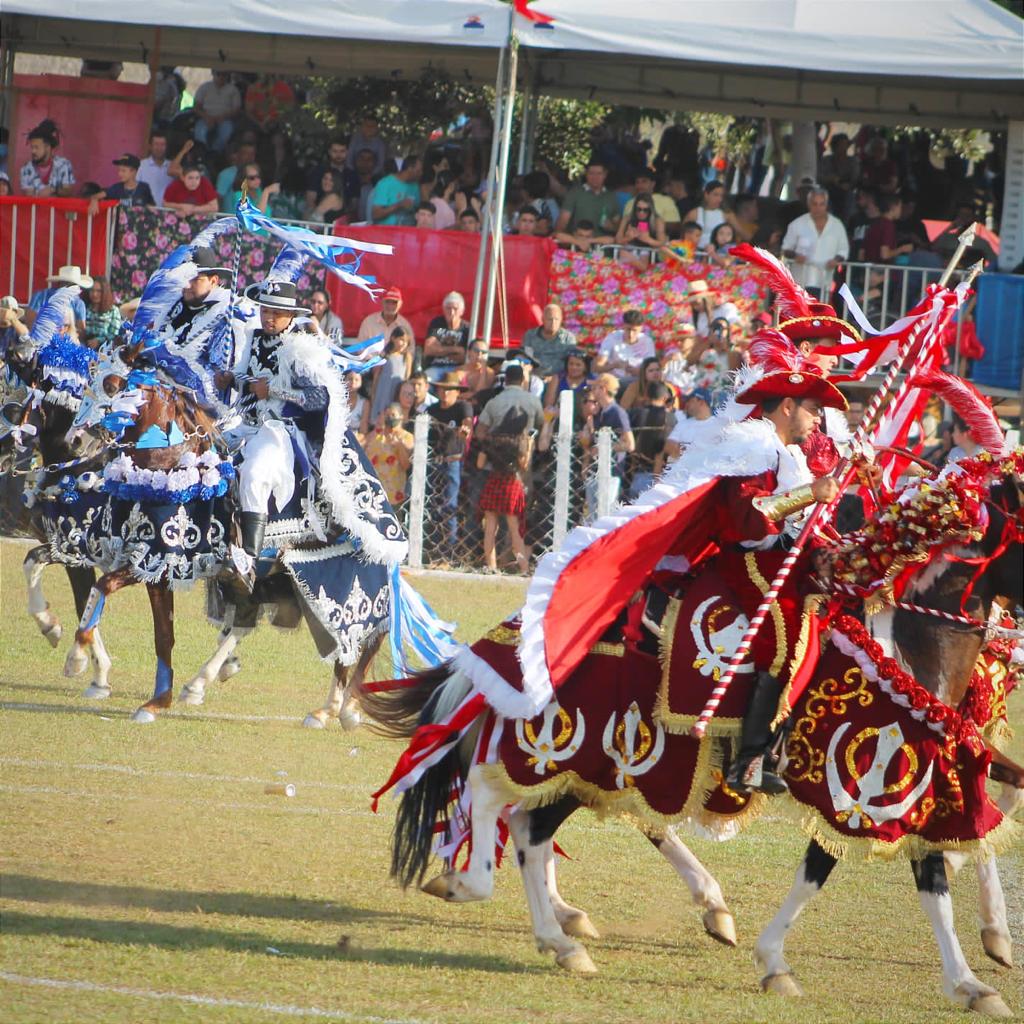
x: 844, y: 472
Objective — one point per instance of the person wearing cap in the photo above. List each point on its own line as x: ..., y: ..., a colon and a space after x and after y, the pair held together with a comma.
x: 387, y: 319
x: 453, y: 418
x: 12, y: 327
x: 203, y: 299
x: 68, y: 275
x: 127, y: 190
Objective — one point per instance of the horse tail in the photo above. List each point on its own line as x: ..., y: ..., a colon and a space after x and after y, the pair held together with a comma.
x: 424, y: 698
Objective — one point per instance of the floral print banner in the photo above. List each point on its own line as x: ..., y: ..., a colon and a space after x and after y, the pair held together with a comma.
x: 595, y: 291
x: 145, y: 237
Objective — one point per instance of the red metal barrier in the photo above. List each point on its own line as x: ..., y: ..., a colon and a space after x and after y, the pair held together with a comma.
x: 39, y: 236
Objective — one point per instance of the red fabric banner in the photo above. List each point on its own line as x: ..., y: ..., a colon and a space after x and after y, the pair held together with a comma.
x: 426, y: 265
x: 39, y: 236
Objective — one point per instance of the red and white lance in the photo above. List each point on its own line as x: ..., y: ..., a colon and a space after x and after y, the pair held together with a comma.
x: 844, y: 472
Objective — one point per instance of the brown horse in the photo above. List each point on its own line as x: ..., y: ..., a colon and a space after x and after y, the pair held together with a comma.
x: 944, y: 652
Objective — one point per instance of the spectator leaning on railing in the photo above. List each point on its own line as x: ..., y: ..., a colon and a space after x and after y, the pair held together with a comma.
x: 46, y: 173
x: 127, y: 190
x: 192, y: 193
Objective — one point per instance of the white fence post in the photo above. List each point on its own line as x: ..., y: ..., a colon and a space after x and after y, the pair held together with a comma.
x: 418, y: 489
x: 563, y: 468
x: 604, y: 471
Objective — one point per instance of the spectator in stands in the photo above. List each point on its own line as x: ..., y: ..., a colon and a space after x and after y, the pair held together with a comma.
x: 526, y: 222
x: 533, y: 384
x: 407, y: 403
x: 422, y: 398
x: 964, y: 444
x: 388, y: 319
x: 609, y: 414
x: 12, y: 328
x: 388, y: 377
x: 5, y: 184
x: 644, y: 183
x: 507, y: 455
x: 839, y: 172
x: 426, y: 217
x: 102, y: 316
x: 192, y: 193
x: 636, y: 392
x: 641, y: 229
x: 910, y: 227
x: 325, y: 319
x: 336, y: 161
x: 622, y: 351
x: 389, y: 449
x: 358, y: 406
x: 217, y: 104
x: 155, y: 170
x: 744, y: 217
x: 710, y: 213
x: 723, y: 238
x: 46, y: 173
x: 698, y: 297
x: 127, y: 190
x: 453, y: 417
x: 469, y: 221
x: 367, y: 179
x: 447, y: 337
x: 268, y: 101
x: 65, y: 276
x: 698, y: 404
x: 590, y: 201
x: 515, y: 399
x: 396, y: 196
x: 937, y: 448
x: 548, y: 342
x: 367, y: 137
x: 867, y: 213
x: 476, y: 374
x: 878, y: 170
x: 854, y: 412
x: 166, y: 97
x: 678, y: 192
x: 880, y: 242
x: 242, y: 152
x: 574, y: 376
x: 816, y: 242
x: 259, y: 195
x: 584, y: 238
x: 536, y: 188
x: 441, y: 198
x: 329, y: 202
x: 651, y: 422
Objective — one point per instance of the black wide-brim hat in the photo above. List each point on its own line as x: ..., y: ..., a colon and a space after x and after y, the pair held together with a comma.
x: 281, y: 295
x: 208, y: 262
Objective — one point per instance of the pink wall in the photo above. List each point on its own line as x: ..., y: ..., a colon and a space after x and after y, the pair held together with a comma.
x: 99, y: 120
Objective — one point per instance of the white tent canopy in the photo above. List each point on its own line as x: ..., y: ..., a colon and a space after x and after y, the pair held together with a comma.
x: 955, y: 63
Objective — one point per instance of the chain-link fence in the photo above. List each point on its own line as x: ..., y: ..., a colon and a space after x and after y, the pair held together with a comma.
x: 558, y: 483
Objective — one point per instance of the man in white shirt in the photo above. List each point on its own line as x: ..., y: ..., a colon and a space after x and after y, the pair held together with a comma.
x: 155, y: 169
x: 816, y: 242
x: 622, y: 351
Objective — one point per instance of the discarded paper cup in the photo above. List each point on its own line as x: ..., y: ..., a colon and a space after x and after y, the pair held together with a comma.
x: 280, y: 789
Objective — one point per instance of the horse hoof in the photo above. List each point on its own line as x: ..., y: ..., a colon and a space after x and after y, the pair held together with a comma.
x: 438, y: 886
x: 991, y: 1005
x: 143, y: 716
x: 349, y: 718
x: 719, y: 924
x: 577, y: 926
x: 314, y: 721
x: 577, y: 962
x: 191, y: 697
x: 53, y: 634
x: 782, y: 985
x: 76, y: 662
x: 230, y: 668
x: 998, y: 946
x: 94, y: 692
x: 452, y: 887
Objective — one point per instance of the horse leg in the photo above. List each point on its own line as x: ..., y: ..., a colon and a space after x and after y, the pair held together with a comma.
x: 332, y: 706
x: 995, y: 928
x: 477, y: 881
x: 547, y: 931
x: 161, y: 602
x: 342, y: 702
x: 86, y: 636
x: 812, y: 874
x: 82, y: 581
x: 194, y: 690
x: 958, y: 981
x: 544, y: 822
x: 704, y: 889
x: 38, y: 607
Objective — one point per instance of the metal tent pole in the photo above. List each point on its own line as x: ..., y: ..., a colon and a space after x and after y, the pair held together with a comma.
x: 499, y: 95
x: 497, y: 203
x: 528, y: 122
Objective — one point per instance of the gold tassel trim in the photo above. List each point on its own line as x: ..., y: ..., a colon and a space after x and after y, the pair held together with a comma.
x: 778, y: 620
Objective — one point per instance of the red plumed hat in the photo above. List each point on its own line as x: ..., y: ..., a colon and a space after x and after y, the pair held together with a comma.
x: 780, y: 371
x: 968, y: 403
x: 800, y: 316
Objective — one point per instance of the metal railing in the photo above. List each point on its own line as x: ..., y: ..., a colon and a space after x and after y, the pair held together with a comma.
x: 612, y: 250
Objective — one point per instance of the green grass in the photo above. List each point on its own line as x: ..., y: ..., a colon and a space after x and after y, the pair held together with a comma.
x: 149, y: 858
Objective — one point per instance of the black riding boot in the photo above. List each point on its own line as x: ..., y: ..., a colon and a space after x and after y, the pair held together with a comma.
x: 252, y: 526
x: 748, y: 771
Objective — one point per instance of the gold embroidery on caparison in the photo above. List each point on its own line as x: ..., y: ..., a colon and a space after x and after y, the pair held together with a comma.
x: 811, y: 605
x: 778, y: 620
x: 609, y: 650
x: 502, y: 635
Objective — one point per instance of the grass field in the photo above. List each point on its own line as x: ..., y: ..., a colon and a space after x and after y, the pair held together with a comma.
x: 148, y: 877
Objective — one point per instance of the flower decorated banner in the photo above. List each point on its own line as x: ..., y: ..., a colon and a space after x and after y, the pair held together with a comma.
x: 146, y: 237
x: 595, y: 291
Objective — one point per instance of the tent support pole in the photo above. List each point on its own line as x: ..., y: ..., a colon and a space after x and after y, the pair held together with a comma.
x: 6, y: 80
x: 499, y: 97
x: 154, y: 68
x: 496, y: 200
x: 528, y: 122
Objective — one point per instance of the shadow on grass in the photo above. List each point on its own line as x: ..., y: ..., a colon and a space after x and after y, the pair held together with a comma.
x: 189, y: 939
x: 31, y: 889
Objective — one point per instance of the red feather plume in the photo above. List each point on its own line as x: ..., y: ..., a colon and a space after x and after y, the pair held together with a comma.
x: 968, y: 403
x: 791, y: 299
x: 771, y: 351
